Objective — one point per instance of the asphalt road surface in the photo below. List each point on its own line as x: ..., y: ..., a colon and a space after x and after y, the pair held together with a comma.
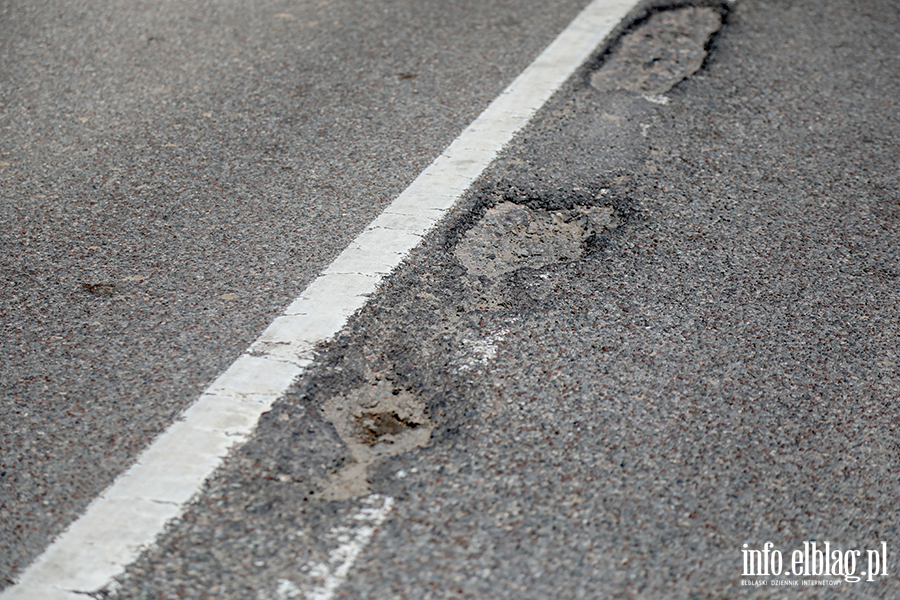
x: 662, y: 327
x: 172, y: 175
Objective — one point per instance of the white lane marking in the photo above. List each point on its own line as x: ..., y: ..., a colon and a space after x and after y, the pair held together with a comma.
x: 657, y: 99
x: 477, y: 353
x: 323, y: 578
x: 129, y: 515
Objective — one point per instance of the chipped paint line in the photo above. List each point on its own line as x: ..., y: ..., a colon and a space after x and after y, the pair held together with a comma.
x: 324, y: 578
x: 478, y: 353
x: 129, y: 515
x: 657, y: 99
x: 341, y: 559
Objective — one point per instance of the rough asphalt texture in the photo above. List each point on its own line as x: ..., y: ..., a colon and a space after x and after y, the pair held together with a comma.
x: 719, y: 369
x: 173, y: 174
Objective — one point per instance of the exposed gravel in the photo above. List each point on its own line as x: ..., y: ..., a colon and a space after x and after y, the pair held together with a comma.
x: 173, y: 174
x: 719, y: 369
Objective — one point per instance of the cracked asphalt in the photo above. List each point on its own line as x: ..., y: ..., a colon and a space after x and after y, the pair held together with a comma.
x: 716, y: 366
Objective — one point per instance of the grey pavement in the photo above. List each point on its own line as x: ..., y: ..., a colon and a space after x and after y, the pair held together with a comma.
x: 707, y: 357
x: 172, y: 175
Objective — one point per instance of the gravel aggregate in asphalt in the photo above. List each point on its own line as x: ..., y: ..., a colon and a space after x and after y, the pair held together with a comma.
x: 658, y: 54
x: 719, y: 369
x: 173, y: 174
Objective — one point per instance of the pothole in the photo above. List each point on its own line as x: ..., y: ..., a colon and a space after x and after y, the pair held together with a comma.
x: 375, y: 422
x: 669, y: 47
x: 511, y: 236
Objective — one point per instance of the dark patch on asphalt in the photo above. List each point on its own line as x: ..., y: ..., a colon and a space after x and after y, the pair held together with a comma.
x: 374, y: 426
x: 101, y: 290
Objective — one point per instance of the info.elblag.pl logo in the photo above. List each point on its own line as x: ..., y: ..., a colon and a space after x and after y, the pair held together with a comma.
x: 814, y: 560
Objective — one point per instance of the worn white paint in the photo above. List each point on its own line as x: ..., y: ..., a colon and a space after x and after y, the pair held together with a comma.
x: 319, y: 580
x: 477, y: 353
x: 657, y: 99
x: 130, y: 514
x: 327, y: 576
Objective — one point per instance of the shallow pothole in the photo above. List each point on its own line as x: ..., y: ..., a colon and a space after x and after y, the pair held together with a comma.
x: 375, y: 421
x: 511, y: 236
x: 669, y: 47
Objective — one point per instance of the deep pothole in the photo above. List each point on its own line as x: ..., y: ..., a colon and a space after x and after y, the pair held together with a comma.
x: 661, y: 52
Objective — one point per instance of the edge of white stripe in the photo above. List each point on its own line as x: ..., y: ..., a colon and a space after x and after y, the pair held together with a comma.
x: 127, y: 517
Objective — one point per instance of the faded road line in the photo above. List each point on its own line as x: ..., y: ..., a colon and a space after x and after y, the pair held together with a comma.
x: 128, y: 516
x: 322, y: 579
